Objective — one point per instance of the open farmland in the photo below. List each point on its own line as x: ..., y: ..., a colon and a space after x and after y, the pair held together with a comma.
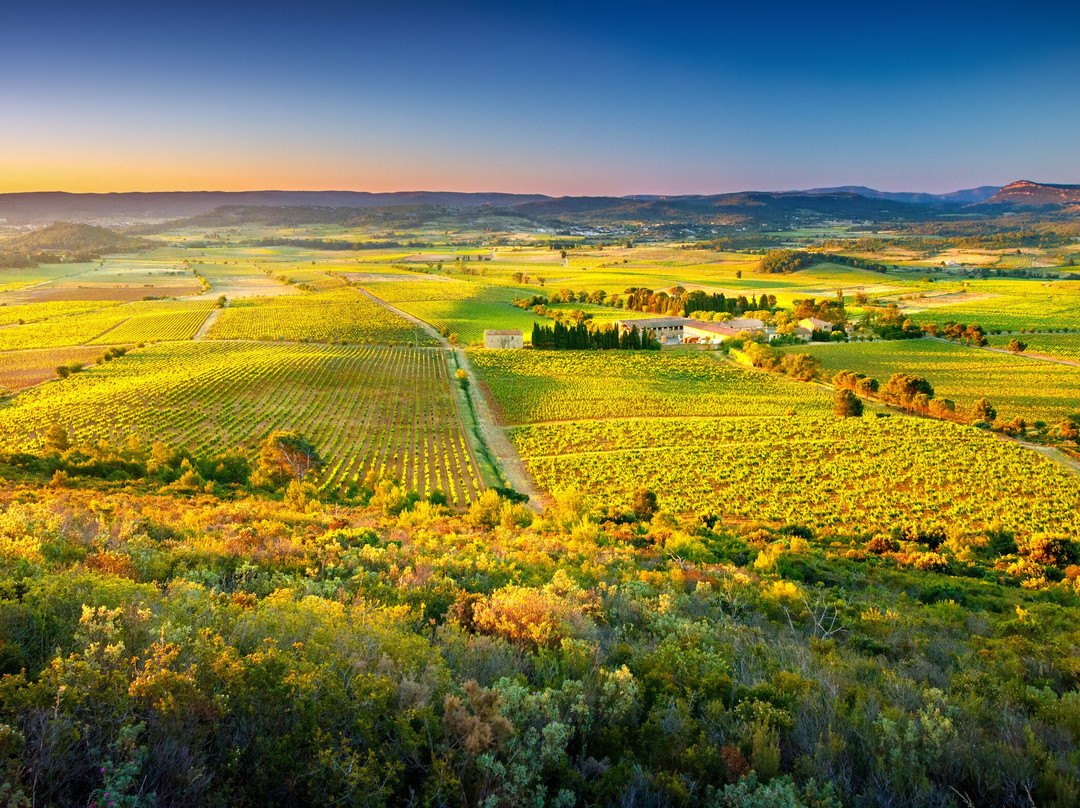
x: 1015, y: 385
x: 465, y: 308
x: 237, y: 280
x: 117, y: 279
x: 338, y: 316
x: 365, y: 408
x: 1010, y: 305
x: 675, y: 580
x: 532, y: 386
x: 853, y: 474
x: 20, y: 369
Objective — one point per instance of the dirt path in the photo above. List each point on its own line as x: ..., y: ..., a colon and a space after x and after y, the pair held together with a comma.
x: 205, y: 327
x: 1022, y: 355
x: 1040, y: 357
x: 1049, y: 452
x: 498, y: 444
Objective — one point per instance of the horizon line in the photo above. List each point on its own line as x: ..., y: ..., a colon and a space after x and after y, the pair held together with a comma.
x: 518, y: 193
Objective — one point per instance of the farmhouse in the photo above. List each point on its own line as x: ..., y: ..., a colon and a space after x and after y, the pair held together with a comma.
x: 815, y: 324
x: 746, y: 324
x: 503, y: 340
x: 665, y: 329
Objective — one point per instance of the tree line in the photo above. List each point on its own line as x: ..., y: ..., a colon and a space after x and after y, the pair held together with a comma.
x: 580, y: 337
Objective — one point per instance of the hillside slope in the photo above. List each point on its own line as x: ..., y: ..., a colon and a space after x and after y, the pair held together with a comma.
x: 1028, y: 194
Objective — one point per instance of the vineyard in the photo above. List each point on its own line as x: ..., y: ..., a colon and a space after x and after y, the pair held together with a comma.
x: 344, y: 316
x: 1030, y: 388
x: 125, y: 323
x: 19, y: 369
x: 864, y: 474
x: 365, y: 408
x: 465, y: 308
x: 1059, y: 346
x: 533, y: 386
x: 160, y: 322
x: 36, y: 312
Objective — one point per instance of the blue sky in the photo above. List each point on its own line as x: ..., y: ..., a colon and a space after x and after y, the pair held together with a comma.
x: 553, y: 97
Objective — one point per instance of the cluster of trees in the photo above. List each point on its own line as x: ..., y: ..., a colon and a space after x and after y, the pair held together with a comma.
x: 285, y: 459
x: 679, y: 302
x: 531, y: 303
x: 890, y: 323
x: 65, y: 242
x: 916, y: 394
x: 973, y: 235
x: 800, y: 366
x: 973, y: 334
x: 832, y: 310
x: 562, y: 336
x: 784, y: 261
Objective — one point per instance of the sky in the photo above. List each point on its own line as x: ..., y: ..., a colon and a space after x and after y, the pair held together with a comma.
x: 554, y: 97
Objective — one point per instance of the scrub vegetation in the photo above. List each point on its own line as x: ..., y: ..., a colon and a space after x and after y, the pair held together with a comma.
x: 266, y: 541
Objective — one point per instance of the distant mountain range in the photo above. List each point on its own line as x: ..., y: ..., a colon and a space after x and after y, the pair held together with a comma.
x: 846, y: 202
x: 30, y: 208
x: 968, y: 196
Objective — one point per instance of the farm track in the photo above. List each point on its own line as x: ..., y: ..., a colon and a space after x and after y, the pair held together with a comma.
x: 1049, y: 452
x: 509, y: 462
x: 1024, y: 355
x: 205, y: 327
x: 1040, y: 357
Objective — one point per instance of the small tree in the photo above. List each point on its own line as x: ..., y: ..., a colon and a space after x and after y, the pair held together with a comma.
x: 462, y: 377
x: 285, y: 456
x: 847, y: 405
x: 983, y: 411
x: 644, y: 504
x: 57, y: 439
x: 1016, y: 346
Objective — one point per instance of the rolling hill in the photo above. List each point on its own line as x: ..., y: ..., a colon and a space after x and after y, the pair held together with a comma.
x: 1028, y: 194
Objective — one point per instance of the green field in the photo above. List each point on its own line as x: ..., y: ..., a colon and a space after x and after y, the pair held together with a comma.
x: 465, y: 308
x: 532, y: 386
x: 1030, y: 388
x: 1010, y: 305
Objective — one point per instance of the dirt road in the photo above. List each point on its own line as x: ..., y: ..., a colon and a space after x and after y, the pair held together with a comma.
x: 498, y: 444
